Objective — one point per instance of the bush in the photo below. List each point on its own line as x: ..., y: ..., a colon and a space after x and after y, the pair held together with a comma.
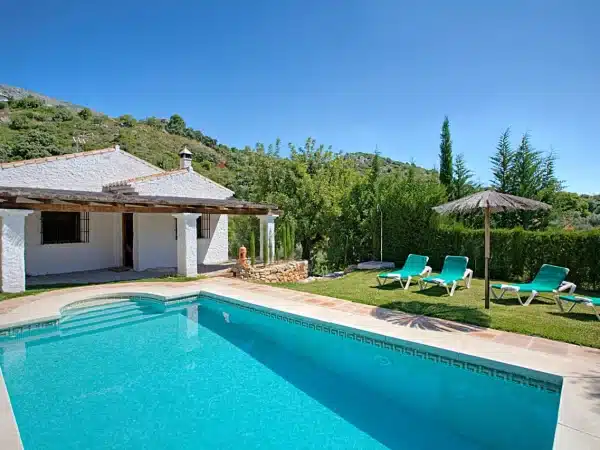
x: 85, y: 113
x: 127, y: 120
x: 518, y: 254
x: 3, y: 105
x: 62, y: 114
x: 20, y: 123
x: 28, y: 102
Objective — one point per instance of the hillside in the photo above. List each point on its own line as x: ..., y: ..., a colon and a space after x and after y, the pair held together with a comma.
x: 34, y: 125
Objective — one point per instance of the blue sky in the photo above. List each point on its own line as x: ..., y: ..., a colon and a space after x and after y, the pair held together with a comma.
x: 353, y: 74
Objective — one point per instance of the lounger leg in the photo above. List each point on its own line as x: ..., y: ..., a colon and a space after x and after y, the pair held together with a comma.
x: 379, y: 281
x: 406, y: 286
x: 530, y: 298
x: 453, y: 288
x: 558, y: 302
x: 573, y: 306
x: 421, y: 285
x: 401, y: 284
x: 502, y: 291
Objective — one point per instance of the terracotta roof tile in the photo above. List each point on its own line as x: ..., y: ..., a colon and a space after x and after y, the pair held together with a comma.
x: 24, y: 162
x: 145, y: 178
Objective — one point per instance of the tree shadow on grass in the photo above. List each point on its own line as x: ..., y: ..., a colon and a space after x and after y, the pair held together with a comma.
x: 441, y: 317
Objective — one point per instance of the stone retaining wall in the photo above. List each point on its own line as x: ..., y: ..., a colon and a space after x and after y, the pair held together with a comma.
x: 284, y: 272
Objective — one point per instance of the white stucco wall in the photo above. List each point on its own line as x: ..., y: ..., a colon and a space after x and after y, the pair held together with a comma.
x: 80, y: 173
x: 215, y: 250
x: 154, y: 244
x: 182, y: 184
x: 103, y: 250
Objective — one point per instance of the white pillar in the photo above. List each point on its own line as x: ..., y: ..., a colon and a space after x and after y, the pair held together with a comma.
x: 269, y: 221
x: 12, y: 249
x: 187, y: 244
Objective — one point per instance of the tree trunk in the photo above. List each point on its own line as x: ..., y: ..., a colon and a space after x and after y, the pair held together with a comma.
x: 306, y: 248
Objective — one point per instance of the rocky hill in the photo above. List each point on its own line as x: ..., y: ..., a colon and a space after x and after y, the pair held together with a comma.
x: 33, y: 125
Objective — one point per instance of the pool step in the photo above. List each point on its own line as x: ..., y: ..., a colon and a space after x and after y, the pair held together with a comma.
x: 111, y: 315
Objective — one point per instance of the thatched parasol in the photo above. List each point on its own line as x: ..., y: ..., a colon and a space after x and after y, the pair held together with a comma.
x: 489, y: 202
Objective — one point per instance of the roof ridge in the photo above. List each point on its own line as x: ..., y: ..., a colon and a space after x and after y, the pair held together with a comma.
x: 24, y: 162
x: 145, y: 177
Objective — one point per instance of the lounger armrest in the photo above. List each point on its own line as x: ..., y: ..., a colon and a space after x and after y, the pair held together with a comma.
x: 426, y: 271
x: 567, y: 286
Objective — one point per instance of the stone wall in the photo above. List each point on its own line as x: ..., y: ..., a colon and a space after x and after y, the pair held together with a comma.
x: 284, y: 272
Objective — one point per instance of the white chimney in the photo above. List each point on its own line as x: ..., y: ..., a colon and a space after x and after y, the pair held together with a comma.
x: 185, y: 159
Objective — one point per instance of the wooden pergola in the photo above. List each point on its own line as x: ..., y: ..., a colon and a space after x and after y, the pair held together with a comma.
x: 108, y: 202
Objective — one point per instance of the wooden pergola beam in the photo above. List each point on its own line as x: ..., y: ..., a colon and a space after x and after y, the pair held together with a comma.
x: 127, y: 208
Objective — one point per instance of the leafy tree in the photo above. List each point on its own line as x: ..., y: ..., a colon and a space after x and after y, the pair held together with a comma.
x: 526, y: 169
x: 62, y: 114
x: 127, y: 121
x: 176, y: 125
x: 462, y: 181
x: 154, y: 122
x: 252, y: 249
x: 446, y: 171
x: 85, y: 113
x: 34, y: 143
x: 502, y: 162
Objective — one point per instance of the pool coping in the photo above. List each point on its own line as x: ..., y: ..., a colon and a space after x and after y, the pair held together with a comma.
x: 579, y: 410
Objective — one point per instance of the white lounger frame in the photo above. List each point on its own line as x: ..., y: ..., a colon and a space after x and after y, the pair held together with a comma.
x: 581, y: 300
x: 426, y: 272
x: 467, y: 278
x: 564, y: 286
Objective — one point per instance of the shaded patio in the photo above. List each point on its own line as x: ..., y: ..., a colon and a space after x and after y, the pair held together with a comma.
x: 121, y: 274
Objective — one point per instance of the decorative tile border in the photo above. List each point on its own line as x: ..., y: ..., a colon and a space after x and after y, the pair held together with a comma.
x: 397, y: 346
x: 13, y: 331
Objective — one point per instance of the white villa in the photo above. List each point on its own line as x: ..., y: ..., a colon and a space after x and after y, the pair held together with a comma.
x: 107, y: 209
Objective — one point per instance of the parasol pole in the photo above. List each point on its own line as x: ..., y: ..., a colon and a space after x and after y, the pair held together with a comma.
x: 487, y: 256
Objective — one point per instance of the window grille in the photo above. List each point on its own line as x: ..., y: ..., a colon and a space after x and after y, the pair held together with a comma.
x: 203, y: 226
x: 65, y: 227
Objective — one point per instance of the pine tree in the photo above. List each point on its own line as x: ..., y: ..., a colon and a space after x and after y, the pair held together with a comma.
x: 446, y: 172
x: 461, y: 183
x: 502, y: 164
x: 252, y: 249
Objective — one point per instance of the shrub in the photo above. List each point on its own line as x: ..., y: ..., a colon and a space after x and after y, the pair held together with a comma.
x: 62, y: 114
x: 85, y: 113
x: 28, y: 102
x: 3, y: 105
x: 20, y: 123
x: 127, y: 121
x: 154, y: 122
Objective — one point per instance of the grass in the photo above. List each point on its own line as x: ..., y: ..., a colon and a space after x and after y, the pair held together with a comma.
x: 53, y: 287
x: 541, y: 318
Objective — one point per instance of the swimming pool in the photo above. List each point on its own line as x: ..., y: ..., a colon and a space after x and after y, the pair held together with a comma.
x: 210, y: 372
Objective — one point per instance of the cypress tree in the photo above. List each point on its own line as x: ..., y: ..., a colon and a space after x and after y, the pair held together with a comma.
x: 502, y: 162
x: 446, y: 171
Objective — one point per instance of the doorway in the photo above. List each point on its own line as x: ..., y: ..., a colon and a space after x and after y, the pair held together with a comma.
x: 128, y: 240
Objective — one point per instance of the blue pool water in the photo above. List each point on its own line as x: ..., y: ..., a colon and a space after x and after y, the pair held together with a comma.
x: 210, y: 374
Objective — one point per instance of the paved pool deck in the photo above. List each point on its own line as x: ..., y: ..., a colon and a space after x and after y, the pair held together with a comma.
x: 579, y: 367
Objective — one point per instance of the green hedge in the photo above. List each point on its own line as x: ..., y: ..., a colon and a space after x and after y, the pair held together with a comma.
x: 516, y: 254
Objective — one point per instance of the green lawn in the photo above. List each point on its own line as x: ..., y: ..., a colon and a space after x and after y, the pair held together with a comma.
x: 541, y: 318
x: 52, y: 287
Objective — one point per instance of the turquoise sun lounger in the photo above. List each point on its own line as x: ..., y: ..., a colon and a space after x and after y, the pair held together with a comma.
x: 414, y: 266
x: 453, y: 271
x: 549, y: 279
